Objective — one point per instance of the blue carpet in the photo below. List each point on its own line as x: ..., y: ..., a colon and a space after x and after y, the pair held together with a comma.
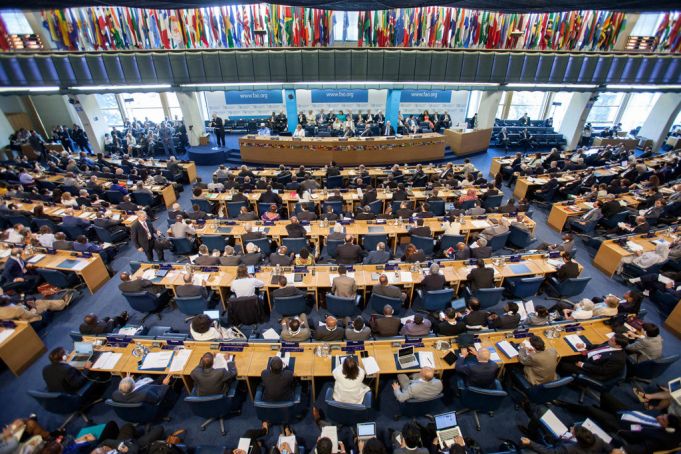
x: 108, y: 301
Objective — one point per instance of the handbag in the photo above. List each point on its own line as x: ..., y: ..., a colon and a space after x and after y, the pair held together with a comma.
x: 47, y: 290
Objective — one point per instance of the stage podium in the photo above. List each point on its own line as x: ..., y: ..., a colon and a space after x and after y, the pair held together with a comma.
x: 468, y: 141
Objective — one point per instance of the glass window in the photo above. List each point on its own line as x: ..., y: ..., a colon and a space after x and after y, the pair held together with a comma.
x: 108, y: 106
x: 637, y: 109
x: 604, y: 110
x: 16, y: 23
x: 529, y: 102
x: 558, y: 108
x: 345, y: 25
x: 143, y: 106
x: 500, y: 109
x: 646, y: 24
x: 473, y: 103
x: 174, y: 105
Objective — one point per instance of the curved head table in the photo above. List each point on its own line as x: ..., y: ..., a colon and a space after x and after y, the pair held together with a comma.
x: 353, y: 151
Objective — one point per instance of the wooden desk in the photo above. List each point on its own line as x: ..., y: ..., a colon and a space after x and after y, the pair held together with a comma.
x: 468, y: 141
x: 560, y: 212
x: 189, y: 167
x: 673, y: 321
x: 87, y: 213
x: 629, y: 144
x: 610, y: 254
x: 21, y: 348
x: 353, y: 151
x: 523, y: 185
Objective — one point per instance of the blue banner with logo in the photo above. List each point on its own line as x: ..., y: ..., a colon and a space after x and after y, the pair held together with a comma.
x: 253, y: 97
x: 341, y: 96
x: 428, y: 96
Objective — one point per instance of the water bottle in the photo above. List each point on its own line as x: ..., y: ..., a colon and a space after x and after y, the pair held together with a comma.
x: 277, y: 270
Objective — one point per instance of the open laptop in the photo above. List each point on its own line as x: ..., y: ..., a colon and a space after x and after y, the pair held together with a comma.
x: 446, y: 429
x: 84, y: 351
x: 214, y: 315
x: 366, y: 430
x: 407, y: 358
x: 459, y: 304
x: 675, y: 389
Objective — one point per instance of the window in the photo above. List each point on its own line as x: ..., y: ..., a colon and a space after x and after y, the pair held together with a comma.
x: 473, y: 103
x: 637, y: 109
x: 16, y: 23
x: 502, y: 103
x: 604, y: 110
x: 174, y: 105
x: 108, y: 106
x: 647, y: 24
x: 529, y: 102
x: 345, y: 25
x: 143, y: 105
x: 558, y: 107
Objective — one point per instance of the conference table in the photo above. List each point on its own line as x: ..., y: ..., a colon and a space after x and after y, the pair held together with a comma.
x: 188, y: 167
x: 86, y: 213
x: 611, y: 252
x: 627, y: 143
x: 20, y: 345
x: 525, y: 184
x: 468, y: 141
x: 315, y: 360
x: 344, y: 151
x: 562, y: 211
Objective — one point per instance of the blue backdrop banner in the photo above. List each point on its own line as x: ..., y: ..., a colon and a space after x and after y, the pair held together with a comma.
x: 428, y: 96
x: 253, y: 97
x: 345, y: 96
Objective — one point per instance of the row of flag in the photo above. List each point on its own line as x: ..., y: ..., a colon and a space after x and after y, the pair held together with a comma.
x: 268, y: 25
x: 255, y: 25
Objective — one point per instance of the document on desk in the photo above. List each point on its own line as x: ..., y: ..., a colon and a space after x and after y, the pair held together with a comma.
x: 573, y: 340
x: 508, y: 349
x: 405, y: 276
x: 270, y: 334
x: 5, y: 334
x: 634, y: 247
x: 308, y: 228
x: 556, y: 263
x: 426, y: 359
x: 107, y: 361
x: 200, y: 278
x: 222, y: 361
x: 157, y: 360
x: 36, y: 258
x: 480, y: 224
x: 594, y: 429
x: 370, y: 365
x: 180, y: 360
x: 331, y: 432
x: 638, y: 417
x: 149, y: 274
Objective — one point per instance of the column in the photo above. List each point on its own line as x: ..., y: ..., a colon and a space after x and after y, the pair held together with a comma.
x: 660, y: 119
x: 487, y: 110
x: 55, y: 110
x: 291, y: 109
x: 191, y: 115
x: 392, y: 107
x: 94, y: 124
x: 36, y: 22
x: 577, y: 112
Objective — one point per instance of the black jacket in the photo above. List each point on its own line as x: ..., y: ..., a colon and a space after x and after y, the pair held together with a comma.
x: 63, y: 378
x: 481, y: 278
x: 348, y: 253
x: 277, y: 387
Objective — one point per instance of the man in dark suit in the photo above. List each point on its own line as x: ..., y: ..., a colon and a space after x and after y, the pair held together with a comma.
x: 332, y: 170
x: 278, y: 383
x: 420, y: 229
x: 433, y: 280
x: 127, y: 205
x: 569, y: 270
x: 476, y: 367
x: 387, y: 130
x: 61, y: 377
x: 70, y: 220
x: 93, y: 326
x: 449, y: 324
x: 329, y: 331
x: 129, y: 285
x: 385, y: 289
x: 285, y: 290
x: 480, y: 276
x: 208, y: 380
x: 377, y: 257
x: 250, y: 235
x: 188, y: 289
x: 611, y: 207
x: 205, y: 259
x: 15, y: 271
x: 365, y: 214
x: 603, y: 363
x: 270, y: 197
x: 111, y: 226
x: 508, y: 320
x: 404, y: 211
x: 305, y: 214
x: 295, y: 229
x: 145, y: 237
x: 281, y: 257
x: 385, y: 326
x: 348, y: 253
x: 369, y: 196
x: 151, y: 393
x: 482, y: 251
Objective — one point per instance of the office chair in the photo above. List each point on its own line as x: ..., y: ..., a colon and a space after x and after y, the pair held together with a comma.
x: 283, y: 412
x: 74, y: 405
x: 377, y: 303
x: 215, y: 406
x: 344, y: 414
x: 476, y: 399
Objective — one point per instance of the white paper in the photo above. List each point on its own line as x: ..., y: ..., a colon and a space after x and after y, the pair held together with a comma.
x: 664, y: 279
x: 285, y: 358
x: 480, y: 224
x: 200, y: 278
x: 331, y: 432
x: 640, y: 418
x: 308, y: 228
x: 5, y: 334
x: 149, y: 274
x: 594, y: 429
x: 129, y: 330
x: 244, y: 444
x: 80, y: 265
x: 142, y: 382
x: 36, y: 258
x: 180, y: 360
x: 290, y: 440
x: 221, y: 362
x: 633, y: 247
x: 426, y: 359
x: 555, y: 425
x: 405, y: 276
x: 107, y: 361
x: 157, y: 360
x: 407, y: 319
x: 574, y: 339
x: 508, y: 349
x: 556, y: 263
x: 270, y: 334
x: 370, y: 365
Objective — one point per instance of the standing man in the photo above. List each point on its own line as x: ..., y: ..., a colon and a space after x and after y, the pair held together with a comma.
x: 145, y: 237
x: 219, y: 129
x: 166, y: 135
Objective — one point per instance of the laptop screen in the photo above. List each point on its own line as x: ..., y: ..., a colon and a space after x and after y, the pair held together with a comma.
x: 406, y: 351
x: 251, y: 269
x: 212, y: 314
x: 675, y: 385
x: 449, y: 206
x: 367, y: 429
x: 445, y: 420
x: 82, y: 348
x: 459, y: 304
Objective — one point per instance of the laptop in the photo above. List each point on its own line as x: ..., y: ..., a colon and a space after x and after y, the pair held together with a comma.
x: 214, y: 315
x: 449, y: 206
x: 366, y: 430
x: 84, y: 351
x: 446, y: 429
x: 459, y: 304
x: 675, y: 389
x: 407, y: 358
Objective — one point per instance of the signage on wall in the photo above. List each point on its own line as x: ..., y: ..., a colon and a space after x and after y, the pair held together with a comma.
x: 253, y: 97
x: 426, y: 96
x: 339, y: 96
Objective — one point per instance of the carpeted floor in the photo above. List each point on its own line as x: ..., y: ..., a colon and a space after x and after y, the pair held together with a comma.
x: 107, y: 301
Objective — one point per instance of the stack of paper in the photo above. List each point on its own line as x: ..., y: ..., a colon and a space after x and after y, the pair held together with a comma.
x: 426, y: 359
x: 370, y: 365
x: 157, y: 360
x: 36, y: 258
x: 640, y: 418
x: 480, y: 224
x: 149, y: 274
x: 405, y: 276
x: 508, y: 349
x: 221, y: 361
x: 5, y: 334
x: 331, y: 432
x: 107, y: 361
x: 525, y: 308
x: 180, y: 360
x: 574, y: 340
x: 594, y: 429
x: 556, y: 263
x: 200, y: 278
x: 633, y: 247
x: 270, y: 334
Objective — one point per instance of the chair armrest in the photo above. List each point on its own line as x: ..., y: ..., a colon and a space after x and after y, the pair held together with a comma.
x: 297, y: 394
x: 584, y: 379
x: 519, y: 377
x: 231, y: 392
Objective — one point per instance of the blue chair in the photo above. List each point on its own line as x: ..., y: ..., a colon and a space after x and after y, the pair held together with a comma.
x: 213, y: 242
x: 376, y: 206
x: 518, y: 238
x: 290, y: 305
x: 262, y: 243
x: 493, y: 201
x: 143, y: 199
x: 498, y: 241
x: 523, y: 287
x: 233, y: 208
x: 295, y: 245
x: 120, y: 236
x: 344, y: 414
x: 566, y: 289
x: 19, y: 219
x: 145, y: 302
x: 334, y: 181
x: 665, y: 302
x: 182, y: 246
x: 59, y: 278
x: 263, y: 207
x: 114, y: 197
x: 193, y: 305
x: 138, y: 412
x: 134, y: 266
x: 424, y: 243
x: 215, y: 406
x: 589, y: 384
x: 370, y: 241
x: 646, y: 371
x: 630, y: 270
x: 476, y: 399
x: 488, y: 297
x: 447, y: 241
x: 415, y: 407
x: 467, y: 204
x: 540, y: 394
x: 337, y: 206
x: 341, y: 307
x: 332, y: 246
x: 435, y: 300
x: 395, y: 204
x: 437, y: 207
x: 204, y: 205
x: 284, y: 412
x: 377, y: 303
x: 72, y: 231
x: 612, y: 221
x: 74, y: 405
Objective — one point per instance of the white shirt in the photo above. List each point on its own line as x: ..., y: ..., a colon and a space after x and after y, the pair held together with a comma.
x: 299, y: 133
x: 14, y: 237
x: 246, y: 286
x: 46, y: 239
x: 346, y: 390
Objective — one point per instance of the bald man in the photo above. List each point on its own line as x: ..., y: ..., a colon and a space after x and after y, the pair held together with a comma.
x: 421, y: 386
x: 330, y: 331
x: 476, y: 367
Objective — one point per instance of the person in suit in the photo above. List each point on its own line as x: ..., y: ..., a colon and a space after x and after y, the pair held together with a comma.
x: 305, y: 214
x: 348, y: 386
x: 344, y: 286
x: 207, y: 380
x: 647, y: 344
x: 449, y: 324
x: 348, y: 253
x: 539, y: 363
x: 377, y: 257
x: 71, y: 220
x: 92, y: 325
x: 250, y: 235
x: 566, y: 245
x: 129, y: 285
x: 145, y: 237
x: 205, y: 259
x: 418, y: 326
x: 604, y: 362
x: 295, y: 229
x: 585, y: 222
x: 420, y: 229
x: 508, y: 320
x: 277, y: 382
x: 433, y: 280
x: 285, y: 290
x: 329, y: 331
x: 385, y: 289
x: 387, y: 325
x: 111, y: 226
x: 61, y: 377
x: 281, y: 257
x: 476, y: 367
x: 641, y: 226
x: 150, y: 393
x: 295, y: 329
x: 569, y: 270
x: 357, y: 329
x: 15, y: 271
x: 476, y: 318
x: 229, y: 258
x: 387, y: 130
x: 188, y: 289
x: 181, y: 228
x: 481, y: 250
x: 404, y: 211
x: 421, y: 386
x: 611, y: 206
x: 480, y: 276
